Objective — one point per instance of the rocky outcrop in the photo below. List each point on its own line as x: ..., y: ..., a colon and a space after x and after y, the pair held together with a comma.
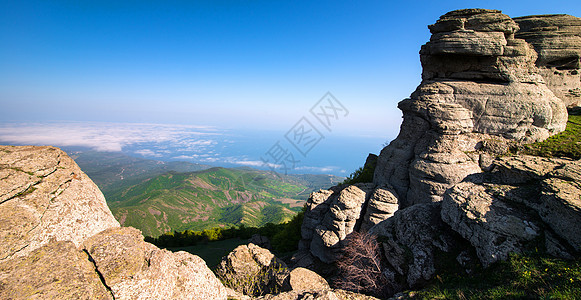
x: 58, y: 239
x: 481, y: 93
x: 410, y: 240
x: 331, y: 215
x: 480, y: 84
x: 45, y: 196
x: 253, y: 271
x: 134, y: 269
x: 557, y: 40
x: 522, y: 200
x: 445, y: 191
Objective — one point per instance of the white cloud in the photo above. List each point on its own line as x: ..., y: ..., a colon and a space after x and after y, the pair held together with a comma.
x: 326, y: 169
x: 110, y: 137
x: 148, y: 152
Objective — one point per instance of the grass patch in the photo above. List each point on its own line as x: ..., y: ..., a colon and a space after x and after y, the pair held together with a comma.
x: 565, y: 144
x: 522, y: 276
x: 212, y: 252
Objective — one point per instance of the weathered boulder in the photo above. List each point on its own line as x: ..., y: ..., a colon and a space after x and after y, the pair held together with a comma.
x: 557, y: 40
x: 58, y: 239
x: 382, y: 204
x: 331, y: 215
x: 134, y: 269
x: 494, y: 227
x: 480, y: 83
x: 260, y: 241
x: 56, y: 270
x: 521, y: 200
x: 410, y: 240
x: 45, y: 196
x: 301, y: 279
x: 252, y: 271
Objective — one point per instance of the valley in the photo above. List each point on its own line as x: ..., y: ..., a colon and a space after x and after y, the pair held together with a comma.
x: 158, y: 197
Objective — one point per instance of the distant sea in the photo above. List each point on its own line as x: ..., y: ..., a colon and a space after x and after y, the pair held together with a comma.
x: 298, y: 150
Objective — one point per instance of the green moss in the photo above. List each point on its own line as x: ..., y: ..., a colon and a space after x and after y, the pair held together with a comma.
x: 565, y: 144
x: 530, y: 276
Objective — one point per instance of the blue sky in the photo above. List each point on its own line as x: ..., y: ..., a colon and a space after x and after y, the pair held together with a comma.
x: 257, y: 65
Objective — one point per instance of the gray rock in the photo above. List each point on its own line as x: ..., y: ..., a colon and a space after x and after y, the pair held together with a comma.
x: 58, y: 239
x: 301, y: 279
x: 522, y: 198
x: 344, y: 209
x: 410, y: 239
x: 252, y: 271
x: 480, y: 84
x: 56, y: 270
x: 45, y: 196
x: 557, y: 40
x: 260, y: 241
x: 382, y: 204
x: 134, y: 269
x: 494, y: 227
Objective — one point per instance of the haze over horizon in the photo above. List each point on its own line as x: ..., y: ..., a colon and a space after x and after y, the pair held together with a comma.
x: 229, y: 65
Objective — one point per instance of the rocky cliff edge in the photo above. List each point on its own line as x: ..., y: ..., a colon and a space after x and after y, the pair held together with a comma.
x: 59, y: 240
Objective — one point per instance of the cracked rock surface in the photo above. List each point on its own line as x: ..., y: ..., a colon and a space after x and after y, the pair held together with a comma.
x: 45, y: 196
x: 59, y: 240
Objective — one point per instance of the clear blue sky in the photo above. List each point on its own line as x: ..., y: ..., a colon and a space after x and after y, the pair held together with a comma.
x: 255, y: 64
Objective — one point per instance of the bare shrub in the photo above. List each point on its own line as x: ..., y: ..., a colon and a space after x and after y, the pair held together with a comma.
x: 360, y: 267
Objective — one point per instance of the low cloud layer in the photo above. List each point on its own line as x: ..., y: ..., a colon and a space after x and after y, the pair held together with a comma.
x: 110, y: 137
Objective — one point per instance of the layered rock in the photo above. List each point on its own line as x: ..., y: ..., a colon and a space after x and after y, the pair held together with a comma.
x: 522, y: 200
x: 58, y: 239
x: 480, y: 83
x: 557, y: 40
x: 481, y: 93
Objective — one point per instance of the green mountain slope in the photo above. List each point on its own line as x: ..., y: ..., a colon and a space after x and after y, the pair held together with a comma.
x: 158, y: 197
x: 209, y: 198
x: 114, y: 170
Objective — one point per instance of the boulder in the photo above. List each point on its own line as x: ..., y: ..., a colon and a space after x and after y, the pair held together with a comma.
x: 260, y: 241
x: 301, y: 279
x: 521, y: 200
x: 252, y: 271
x: 45, y: 196
x: 56, y: 270
x: 494, y: 227
x: 382, y: 204
x: 480, y: 84
x: 331, y: 216
x: 410, y: 240
x: 58, y: 239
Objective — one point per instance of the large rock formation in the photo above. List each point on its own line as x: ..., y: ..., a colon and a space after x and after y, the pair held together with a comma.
x: 58, y: 239
x: 480, y: 84
x: 557, y: 40
x: 45, y: 196
x: 523, y: 199
x: 443, y: 186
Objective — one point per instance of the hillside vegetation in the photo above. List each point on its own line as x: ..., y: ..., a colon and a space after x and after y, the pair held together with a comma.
x: 216, y: 197
x: 565, y: 144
